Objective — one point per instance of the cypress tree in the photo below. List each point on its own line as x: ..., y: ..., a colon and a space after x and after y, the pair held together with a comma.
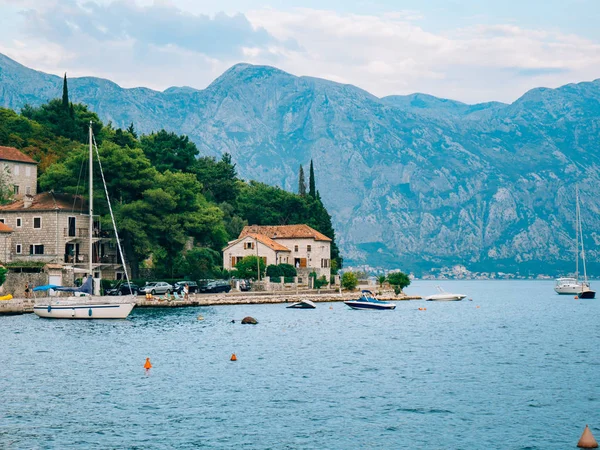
x: 65, y: 97
x: 301, y: 182
x: 312, y: 191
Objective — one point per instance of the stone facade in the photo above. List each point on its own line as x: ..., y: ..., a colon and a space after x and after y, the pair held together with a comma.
x: 50, y: 227
x: 298, y: 245
x: 19, y: 171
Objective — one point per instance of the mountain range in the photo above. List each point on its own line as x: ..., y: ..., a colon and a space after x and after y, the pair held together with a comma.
x: 412, y: 182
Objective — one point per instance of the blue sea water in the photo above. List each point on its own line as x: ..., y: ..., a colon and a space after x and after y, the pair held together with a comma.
x: 513, y: 366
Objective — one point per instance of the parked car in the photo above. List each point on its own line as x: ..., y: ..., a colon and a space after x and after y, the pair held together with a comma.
x: 216, y: 286
x: 123, y: 288
x: 192, y: 286
x: 157, y: 287
x: 245, y: 285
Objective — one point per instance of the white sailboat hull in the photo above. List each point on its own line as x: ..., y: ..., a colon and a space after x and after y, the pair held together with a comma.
x: 69, y: 309
x: 570, y: 289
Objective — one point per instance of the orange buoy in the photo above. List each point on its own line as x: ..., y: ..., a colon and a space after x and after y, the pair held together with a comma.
x: 576, y: 298
x: 331, y: 307
x: 587, y: 439
x: 233, y: 357
x: 148, y: 364
x: 477, y: 306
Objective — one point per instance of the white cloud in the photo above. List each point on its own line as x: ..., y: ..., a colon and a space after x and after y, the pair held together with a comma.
x: 155, y: 44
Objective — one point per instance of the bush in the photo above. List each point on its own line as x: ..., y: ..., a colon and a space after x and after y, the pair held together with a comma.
x: 247, y: 268
x: 289, y: 271
x: 399, y: 281
x: 349, y: 281
x: 274, y: 271
x: 318, y: 283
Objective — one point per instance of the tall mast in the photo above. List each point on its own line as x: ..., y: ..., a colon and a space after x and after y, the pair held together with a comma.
x: 577, y: 232
x: 581, y: 238
x: 91, y: 204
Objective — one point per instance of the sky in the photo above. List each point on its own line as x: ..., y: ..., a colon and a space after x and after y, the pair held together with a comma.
x: 467, y: 50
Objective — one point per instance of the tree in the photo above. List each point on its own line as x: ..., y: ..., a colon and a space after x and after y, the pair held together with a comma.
x: 168, y: 151
x: 312, y: 190
x: 349, y: 281
x: 218, y: 178
x: 249, y: 266
x: 131, y: 130
x: 399, y: 280
x: 381, y: 279
x: 65, y: 95
x: 301, y: 182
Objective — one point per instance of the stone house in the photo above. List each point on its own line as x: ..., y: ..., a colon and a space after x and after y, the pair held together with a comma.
x: 19, y: 171
x: 298, y: 245
x: 54, y: 228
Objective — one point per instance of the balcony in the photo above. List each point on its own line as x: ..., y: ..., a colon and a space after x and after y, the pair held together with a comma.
x: 84, y: 259
x: 83, y: 233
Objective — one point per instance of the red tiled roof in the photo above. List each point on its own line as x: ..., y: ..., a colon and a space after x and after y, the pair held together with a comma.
x: 49, y: 201
x: 12, y: 154
x: 5, y: 228
x: 285, y: 232
x: 268, y: 242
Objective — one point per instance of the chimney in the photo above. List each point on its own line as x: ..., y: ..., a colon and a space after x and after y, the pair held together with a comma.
x: 27, y: 201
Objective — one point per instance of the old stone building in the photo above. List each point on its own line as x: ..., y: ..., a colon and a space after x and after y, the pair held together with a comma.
x: 54, y: 228
x: 18, y: 172
x: 298, y: 245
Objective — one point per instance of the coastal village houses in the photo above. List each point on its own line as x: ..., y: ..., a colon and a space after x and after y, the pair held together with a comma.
x: 51, y: 227
x: 299, y: 245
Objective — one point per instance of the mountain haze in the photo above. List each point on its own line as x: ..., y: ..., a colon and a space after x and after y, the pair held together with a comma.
x: 415, y: 182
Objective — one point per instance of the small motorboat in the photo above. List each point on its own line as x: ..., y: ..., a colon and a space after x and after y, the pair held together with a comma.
x: 368, y: 301
x: 444, y: 296
x: 304, y: 304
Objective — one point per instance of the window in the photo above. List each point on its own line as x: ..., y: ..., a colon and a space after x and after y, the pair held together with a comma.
x: 28, y: 190
x: 37, y: 222
x: 308, y: 248
x: 248, y: 245
x: 16, y: 189
x: 16, y: 170
x: 324, y: 263
x: 36, y: 249
x: 1, y: 220
x: 27, y: 171
x: 295, y: 248
x: 19, y: 222
x: 18, y: 249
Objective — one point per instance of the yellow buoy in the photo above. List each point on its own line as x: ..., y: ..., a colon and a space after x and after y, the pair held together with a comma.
x: 587, y: 439
x: 148, y: 364
x: 233, y: 357
x: 200, y: 317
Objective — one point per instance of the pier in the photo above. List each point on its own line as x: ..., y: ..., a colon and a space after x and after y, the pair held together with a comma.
x: 17, y: 306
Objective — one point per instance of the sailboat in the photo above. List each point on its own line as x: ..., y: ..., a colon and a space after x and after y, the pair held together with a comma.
x: 83, y: 304
x: 569, y: 285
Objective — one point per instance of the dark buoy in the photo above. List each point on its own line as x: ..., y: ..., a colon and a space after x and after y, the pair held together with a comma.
x: 587, y: 439
x: 249, y: 320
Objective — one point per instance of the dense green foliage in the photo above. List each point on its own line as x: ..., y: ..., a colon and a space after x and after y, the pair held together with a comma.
x: 349, y: 281
x: 249, y: 267
x: 175, y: 209
x: 281, y: 270
x: 399, y: 281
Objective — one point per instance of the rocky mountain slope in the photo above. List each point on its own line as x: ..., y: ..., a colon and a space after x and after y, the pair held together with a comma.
x: 415, y: 181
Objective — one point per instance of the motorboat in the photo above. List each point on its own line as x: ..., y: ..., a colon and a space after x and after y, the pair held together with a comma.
x: 368, y: 301
x: 304, y: 304
x: 444, y: 296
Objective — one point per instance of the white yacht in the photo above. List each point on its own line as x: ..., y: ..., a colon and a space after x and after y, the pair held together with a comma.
x: 444, y: 296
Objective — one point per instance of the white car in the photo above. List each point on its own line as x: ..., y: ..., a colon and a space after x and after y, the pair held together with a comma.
x: 157, y: 287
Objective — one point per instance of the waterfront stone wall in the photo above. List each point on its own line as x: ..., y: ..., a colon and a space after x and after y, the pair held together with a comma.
x: 15, y: 282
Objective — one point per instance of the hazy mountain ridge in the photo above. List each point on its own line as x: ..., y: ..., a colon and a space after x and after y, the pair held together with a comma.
x: 411, y: 181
